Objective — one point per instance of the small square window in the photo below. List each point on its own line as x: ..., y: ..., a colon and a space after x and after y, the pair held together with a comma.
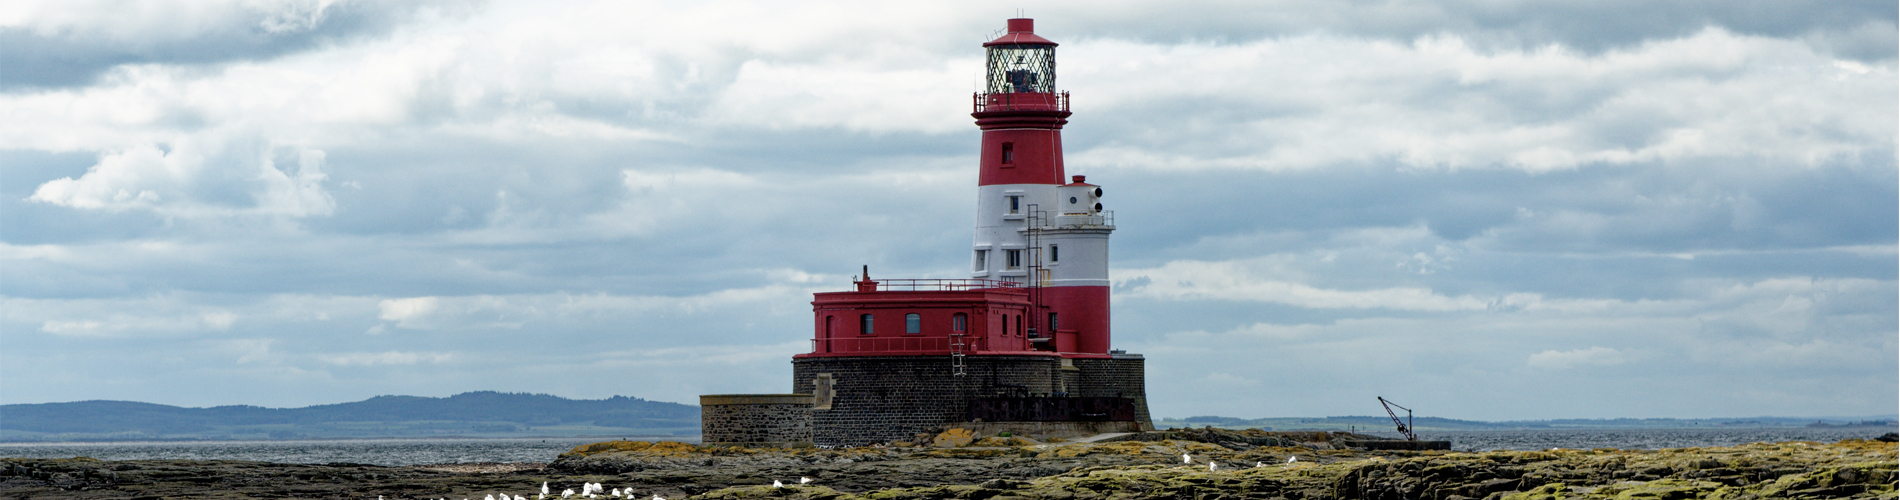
x: 913, y: 323
x: 1009, y: 152
x: 982, y: 261
x: 1013, y: 259
x: 864, y: 324
x: 1015, y: 204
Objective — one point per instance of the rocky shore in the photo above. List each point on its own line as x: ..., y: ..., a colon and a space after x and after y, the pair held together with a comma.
x: 1243, y: 465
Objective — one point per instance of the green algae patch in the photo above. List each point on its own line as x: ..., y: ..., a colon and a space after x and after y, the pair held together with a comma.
x: 590, y: 449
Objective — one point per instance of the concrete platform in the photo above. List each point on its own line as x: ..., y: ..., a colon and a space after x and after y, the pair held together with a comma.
x: 1397, y: 444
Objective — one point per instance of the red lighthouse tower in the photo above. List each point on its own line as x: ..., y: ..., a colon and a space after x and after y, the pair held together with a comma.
x: 1022, y: 346
x: 1032, y: 228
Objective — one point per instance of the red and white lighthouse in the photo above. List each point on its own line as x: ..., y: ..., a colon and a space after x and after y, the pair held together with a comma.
x: 1034, y: 225
x: 1020, y: 345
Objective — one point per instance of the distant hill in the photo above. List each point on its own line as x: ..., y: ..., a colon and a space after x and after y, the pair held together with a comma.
x: 1384, y: 423
x: 472, y: 414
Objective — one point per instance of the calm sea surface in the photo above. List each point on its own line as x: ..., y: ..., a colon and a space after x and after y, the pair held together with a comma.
x: 439, y: 451
x: 361, y: 451
x: 1637, y: 439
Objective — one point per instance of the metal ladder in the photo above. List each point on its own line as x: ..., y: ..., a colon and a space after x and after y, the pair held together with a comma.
x: 956, y: 355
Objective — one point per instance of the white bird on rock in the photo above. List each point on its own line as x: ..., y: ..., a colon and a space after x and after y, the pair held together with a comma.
x: 1210, y: 466
x: 804, y: 480
x: 490, y: 497
x: 1186, y: 459
x: 567, y: 493
x: 615, y: 493
x: 656, y: 496
x: 1259, y: 464
x: 1292, y: 459
x: 776, y: 484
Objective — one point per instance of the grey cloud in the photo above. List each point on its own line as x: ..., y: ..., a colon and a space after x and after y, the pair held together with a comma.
x: 1861, y: 30
x: 436, y: 196
x: 76, y: 56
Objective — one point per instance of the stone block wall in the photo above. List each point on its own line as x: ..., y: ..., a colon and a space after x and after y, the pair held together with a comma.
x: 756, y: 420
x: 1123, y: 376
x: 893, y: 398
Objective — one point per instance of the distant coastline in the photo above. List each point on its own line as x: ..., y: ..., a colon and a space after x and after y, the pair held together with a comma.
x: 497, y: 415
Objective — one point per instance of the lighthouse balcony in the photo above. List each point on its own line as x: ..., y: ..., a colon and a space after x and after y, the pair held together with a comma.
x: 909, y: 346
x: 1105, y: 220
x: 1022, y: 101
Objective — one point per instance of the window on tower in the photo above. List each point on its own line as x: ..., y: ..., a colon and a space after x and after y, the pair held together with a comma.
x: 1055, y: 253
x: 913, y: 323
x: 1015, y: 204
x: 982, y: 261
x: 959, y: 323
x: 1009, y: 152
x: 864, y: 324
x: 1012, y: 259
x: 1052, y: 322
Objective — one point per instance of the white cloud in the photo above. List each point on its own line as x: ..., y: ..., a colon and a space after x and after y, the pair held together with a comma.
x: 1253, y: 281
x: 174, y: 183
x: 1562, y: 360
x: 402, y: 311
x: 1439, y: 102
x: 122, y: 324
x: 385, y: 358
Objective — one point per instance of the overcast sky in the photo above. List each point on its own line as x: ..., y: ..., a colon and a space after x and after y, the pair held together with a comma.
x: 1481, y: 210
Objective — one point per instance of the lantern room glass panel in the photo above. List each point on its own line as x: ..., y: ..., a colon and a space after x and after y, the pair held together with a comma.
x: 1022, y: 68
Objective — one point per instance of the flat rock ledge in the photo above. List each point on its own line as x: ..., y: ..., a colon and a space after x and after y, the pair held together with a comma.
x: 1126, y: 469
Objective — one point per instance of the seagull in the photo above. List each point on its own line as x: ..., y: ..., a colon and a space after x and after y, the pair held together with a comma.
x: 1210, y: 466
x: 656, y: 496
x: 615, y: 494
x: 804, y: 480
x: 544, y: 490
x: 567, y: 493
x: 776, y: 484
x: 490, y: 497
x: 1292, y: 459
x: 1259, y: 464
x: 1185, y: 459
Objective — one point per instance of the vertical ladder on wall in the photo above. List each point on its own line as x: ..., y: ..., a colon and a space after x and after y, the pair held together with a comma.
x: 1037, y: 275
x: 956, y: 354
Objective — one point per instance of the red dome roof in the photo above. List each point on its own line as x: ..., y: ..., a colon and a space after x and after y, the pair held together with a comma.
x: 1021, y: 32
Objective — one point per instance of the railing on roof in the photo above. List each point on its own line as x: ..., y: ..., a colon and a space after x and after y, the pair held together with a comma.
x: 860, y: 345
x: 1105, y: 218
x: 942, y: 285
x: 1021, y: 101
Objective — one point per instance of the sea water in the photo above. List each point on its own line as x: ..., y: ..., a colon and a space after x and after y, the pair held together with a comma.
x: 1637, y: 439
x: 398, y: 452
x: 391, y: 452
